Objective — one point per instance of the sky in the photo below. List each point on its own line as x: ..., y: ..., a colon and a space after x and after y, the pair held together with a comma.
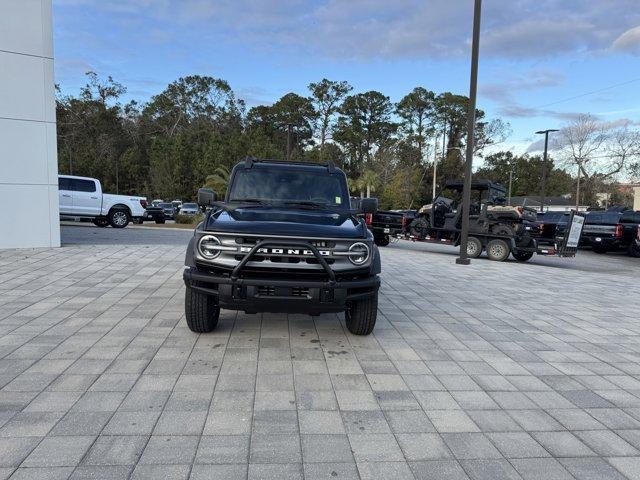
x: 542, y: 62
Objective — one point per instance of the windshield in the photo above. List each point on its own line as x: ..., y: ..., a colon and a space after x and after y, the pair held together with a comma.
x: 166, y: 205
x: 189, y: 205
x: 288, y: 186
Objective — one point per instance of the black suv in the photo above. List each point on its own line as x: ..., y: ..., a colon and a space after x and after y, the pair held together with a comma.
x: 285, y: 239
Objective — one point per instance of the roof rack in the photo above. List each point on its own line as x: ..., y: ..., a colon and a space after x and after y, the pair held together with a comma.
x: 249, y: 161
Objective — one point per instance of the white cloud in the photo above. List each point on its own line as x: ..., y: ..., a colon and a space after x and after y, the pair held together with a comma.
x: 374, y: 29
x: 629, y: 41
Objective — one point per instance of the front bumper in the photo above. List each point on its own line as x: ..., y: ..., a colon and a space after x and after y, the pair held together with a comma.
x: 264, y: 294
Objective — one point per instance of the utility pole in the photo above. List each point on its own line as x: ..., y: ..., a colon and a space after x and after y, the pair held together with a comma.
x: 463, y: 259
x: 510, y: 182
x: 543, y: 184
x: 578, y: 190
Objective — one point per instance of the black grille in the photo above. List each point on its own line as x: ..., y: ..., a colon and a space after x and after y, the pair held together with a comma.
x: 299, y: 292
x: 266, y: 291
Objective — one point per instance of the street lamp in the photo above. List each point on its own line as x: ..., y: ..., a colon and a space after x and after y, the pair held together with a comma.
x: 543, y: 185
x: 463, y: 259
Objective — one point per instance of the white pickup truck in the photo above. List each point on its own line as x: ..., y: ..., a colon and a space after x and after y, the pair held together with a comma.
x: 82, y: 197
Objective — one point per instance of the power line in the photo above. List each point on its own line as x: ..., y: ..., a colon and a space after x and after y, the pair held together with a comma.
x: 588, y: 93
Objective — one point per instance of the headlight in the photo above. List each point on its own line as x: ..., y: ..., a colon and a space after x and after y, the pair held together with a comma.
x: 209, y: 247
x: 358, y: 253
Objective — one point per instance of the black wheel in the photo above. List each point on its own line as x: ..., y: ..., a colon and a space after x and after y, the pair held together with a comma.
x: 634, y: 250
x: 118, y: 218
x: 599, y: 249
x: 138, y: 221
x: 160, y: 220
x: 100, y: 222
x: 382, y: 241
x: 474, y: 247
x: 201, y: 311
x: 522, y: 256
x: 498, y: 250
x: 361, y: 315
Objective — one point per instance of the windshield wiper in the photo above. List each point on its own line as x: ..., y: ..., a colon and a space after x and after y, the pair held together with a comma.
x: 308, y: 203
x: 256, y: 201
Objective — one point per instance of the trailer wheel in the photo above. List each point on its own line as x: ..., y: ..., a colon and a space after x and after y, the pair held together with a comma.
x: 202, y: 311
x: 502, y: 230
x: 361, y: 315
x: 474, y: 247
x: 522, y: 256
x: 498, y: 250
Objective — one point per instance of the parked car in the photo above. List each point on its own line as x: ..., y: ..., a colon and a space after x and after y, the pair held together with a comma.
x: 613, y: 230
x: 189, y: 209
x: 156, y: 202
x: 177, y: 204
x: 153, y: 213
x: 169, y: 210
x: 82, y: 197
x: 284, y: 240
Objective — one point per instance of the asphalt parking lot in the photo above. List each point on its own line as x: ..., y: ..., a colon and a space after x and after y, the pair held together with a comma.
x: 491, y: 371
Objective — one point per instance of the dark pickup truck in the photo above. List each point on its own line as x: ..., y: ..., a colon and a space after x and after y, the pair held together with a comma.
x: 549, y: 226
x: 612, y: 230
x: 383, y: 224
x: 285, y: 239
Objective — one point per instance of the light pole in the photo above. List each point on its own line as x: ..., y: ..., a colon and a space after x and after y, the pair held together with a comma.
x: 463, y: 259
x: 510, y: 181
x: 543, y: 185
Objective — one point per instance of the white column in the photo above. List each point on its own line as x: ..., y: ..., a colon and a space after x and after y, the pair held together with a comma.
x: 28, y: 158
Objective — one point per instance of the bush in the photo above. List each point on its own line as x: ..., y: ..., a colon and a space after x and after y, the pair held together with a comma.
x: 189, y: 219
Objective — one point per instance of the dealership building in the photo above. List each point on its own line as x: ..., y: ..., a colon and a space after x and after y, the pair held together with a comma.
x: 28, y: 159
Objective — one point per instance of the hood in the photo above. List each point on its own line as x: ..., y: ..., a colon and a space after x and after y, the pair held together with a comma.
x: 275, y: 221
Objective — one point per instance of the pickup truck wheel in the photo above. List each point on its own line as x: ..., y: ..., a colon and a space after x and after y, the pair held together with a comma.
x: 497, y: 250
x: 634, y: 250
x: 522, y: 256
x: 382, y: 241
x: 474, y: 247
x: 100, y: 222
x: 361, y: 315
x: 599, y: 249
x: 160, y: 220
x: 202, y: 311
x: 118, y: 218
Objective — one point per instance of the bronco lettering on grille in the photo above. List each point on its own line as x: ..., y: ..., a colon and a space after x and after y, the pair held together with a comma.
x: 285, y: 251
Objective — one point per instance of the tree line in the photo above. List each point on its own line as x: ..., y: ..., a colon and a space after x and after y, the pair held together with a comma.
x: 196, y: 129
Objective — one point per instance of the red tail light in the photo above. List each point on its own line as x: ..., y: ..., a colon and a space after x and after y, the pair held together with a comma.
x: 368, y: 218
x: 638, y: 233
x: 143, y: 203
x: 405, y: 222
x: 618, y: 233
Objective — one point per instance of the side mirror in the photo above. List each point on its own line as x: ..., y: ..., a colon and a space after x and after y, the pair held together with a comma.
x: 206, y: 197
x: 368, y: 205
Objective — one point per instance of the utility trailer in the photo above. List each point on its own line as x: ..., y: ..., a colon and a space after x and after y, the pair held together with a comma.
x: 495, y: 228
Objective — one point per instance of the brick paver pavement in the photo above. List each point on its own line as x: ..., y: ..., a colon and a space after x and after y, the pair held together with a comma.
x: 484, y: 372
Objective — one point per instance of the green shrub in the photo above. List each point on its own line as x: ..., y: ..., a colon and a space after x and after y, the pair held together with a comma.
x: 189, y: 219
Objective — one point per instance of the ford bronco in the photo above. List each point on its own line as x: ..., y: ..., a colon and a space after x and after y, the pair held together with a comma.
x: 285, y: 239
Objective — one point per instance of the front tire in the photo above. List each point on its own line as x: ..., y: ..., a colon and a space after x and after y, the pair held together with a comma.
x: 202, y: 311
x: 521, y: 256
x: 100, y: 222
x: 498, y: 250
x: 361, y: 315
x: 382, y: 241
x: 118, y: 218
x: 160, y: 220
